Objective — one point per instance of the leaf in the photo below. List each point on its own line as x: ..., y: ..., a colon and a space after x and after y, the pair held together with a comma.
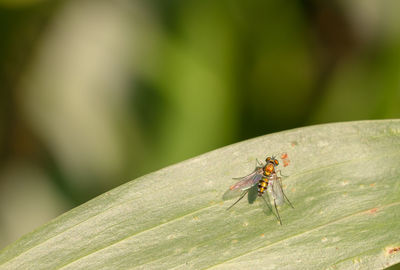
x: 343, y: 179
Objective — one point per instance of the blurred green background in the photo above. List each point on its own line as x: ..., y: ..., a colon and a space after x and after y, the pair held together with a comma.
x: 96, y: 93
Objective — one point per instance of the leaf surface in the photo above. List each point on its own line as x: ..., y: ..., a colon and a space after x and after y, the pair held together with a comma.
x: 343, y: 180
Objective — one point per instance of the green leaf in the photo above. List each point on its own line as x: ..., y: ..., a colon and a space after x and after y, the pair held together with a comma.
x: 343, y: 179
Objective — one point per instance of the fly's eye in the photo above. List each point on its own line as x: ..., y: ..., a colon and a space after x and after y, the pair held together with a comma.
x: 268, y: 159
x: 276, y: 162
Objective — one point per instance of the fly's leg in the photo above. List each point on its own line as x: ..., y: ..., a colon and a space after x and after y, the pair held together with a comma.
x: 277, y: 212
x: 277, y: 216
x: 279, y: 171
x: 284, y: 195
x: 270, y: 209
x: 241, y: 197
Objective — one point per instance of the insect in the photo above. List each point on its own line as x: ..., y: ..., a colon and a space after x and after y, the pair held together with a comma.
x: 267, y: 178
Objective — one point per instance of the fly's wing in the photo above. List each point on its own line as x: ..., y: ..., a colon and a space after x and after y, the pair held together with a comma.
x: 245, y: 183
x: 275, y: 190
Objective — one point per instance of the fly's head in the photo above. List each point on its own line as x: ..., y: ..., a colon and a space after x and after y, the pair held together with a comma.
x: 269, y: 167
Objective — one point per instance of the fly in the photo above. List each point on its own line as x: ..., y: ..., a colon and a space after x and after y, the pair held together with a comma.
x: 266, y: 178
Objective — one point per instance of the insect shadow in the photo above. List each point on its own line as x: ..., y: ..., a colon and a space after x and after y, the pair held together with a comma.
x: 252, y: 195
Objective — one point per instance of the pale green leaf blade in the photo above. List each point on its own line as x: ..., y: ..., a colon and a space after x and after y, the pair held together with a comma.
x: 343, y: 179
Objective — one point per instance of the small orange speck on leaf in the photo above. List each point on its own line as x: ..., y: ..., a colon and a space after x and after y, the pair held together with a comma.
x: 392, y: 250
x: 285, y: 158
x: 373, y: 210
x: 286, y: 162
